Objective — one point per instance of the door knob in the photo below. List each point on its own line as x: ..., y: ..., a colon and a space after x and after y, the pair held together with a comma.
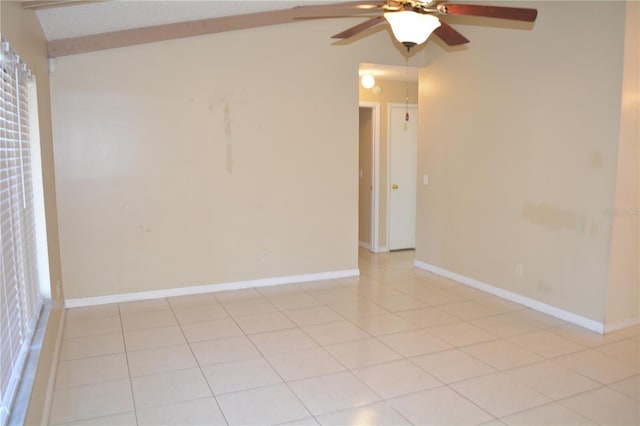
x: 394, y: 186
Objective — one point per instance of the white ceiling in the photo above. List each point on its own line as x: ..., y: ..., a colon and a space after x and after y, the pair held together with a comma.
x: 113, y: 15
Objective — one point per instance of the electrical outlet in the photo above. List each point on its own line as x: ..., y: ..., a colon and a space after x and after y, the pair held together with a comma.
x: 264, y: 256
x: 519, y: 269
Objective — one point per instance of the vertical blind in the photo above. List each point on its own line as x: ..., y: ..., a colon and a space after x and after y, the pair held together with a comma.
x: 20, y: 300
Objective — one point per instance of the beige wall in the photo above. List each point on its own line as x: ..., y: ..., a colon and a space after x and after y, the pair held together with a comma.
x: 623, y: 298
x: 180, y: 163
x: 392, y: 92
x: 22, y: 30
x: 519, y: 135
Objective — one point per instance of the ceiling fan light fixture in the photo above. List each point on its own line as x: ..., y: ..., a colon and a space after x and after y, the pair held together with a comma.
x: 411, y: 28
x: 367, y: 81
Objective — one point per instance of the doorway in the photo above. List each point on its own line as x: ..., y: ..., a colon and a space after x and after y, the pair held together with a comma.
x: 368, y: 165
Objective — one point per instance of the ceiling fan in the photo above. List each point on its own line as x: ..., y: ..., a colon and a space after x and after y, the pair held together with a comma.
x: 413, y: 21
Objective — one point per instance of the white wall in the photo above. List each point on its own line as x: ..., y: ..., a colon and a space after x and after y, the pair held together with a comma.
x: 519, y: 135
x: 179, y: 163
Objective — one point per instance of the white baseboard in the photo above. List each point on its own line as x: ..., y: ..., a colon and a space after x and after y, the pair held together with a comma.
x: 383, y: 249
x: 53, y: 372
x: 364, y: 245
x: 514, y: 297
x: 619, y: 325
x: 207, y: 288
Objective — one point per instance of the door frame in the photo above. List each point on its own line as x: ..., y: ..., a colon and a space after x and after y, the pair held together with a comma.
x: 390, y: 106
x: 375, y: 172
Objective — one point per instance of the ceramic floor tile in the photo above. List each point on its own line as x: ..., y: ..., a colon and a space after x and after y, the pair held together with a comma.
x: 114, y: 419
x: 376, y: 414
x: 93, y: 312
x: 396, y: 378
x: 304, y: 363
x: 461, y: 334
x: 86, y: 402
x: 605, y: 406
x: 260, y: 323
x: 598, y: 366
x: 92, y: 326
x: 452, y: 366
x: 97, y: 369
x: 376, y: 291
x: 240, y: 375
x: 400, y: 303
x: 440, y: 296
x: 439, y: 406
x: 332, y: 392
x: 552, y: 379
x: 307, y: 421
x: 282, y: 341
x: 192, y: 300
x: 203, y: 411
x: 469, y: 310
x: 579, y: 335
x: 312, y: 316
x: 502, y: 305
x: 627, y: 351
x: 335, y: 332
x: 362, y: 353
x: 191, y: 314
x: 154, y: 338
x: 230, y: 296
x: 320, y: 285
x: 378, y: 325
x: 88, y: 346
x: 140, y: 306
x: 268, y: 405
x: 337, y: 295
x: 502, y: 355
x: 414, y: 342
x: 160, y: 360
x: 546, y: 344
x: 224, y: 350
x: 499, y: 394
x: 279, y: 290
x: 149, y: 319
x: 168, y: 388
x: 211, y: 330
x: 294, y: 301
x: 428, y: 317
x: 506, y: 325
x: 358, y: 308
x: 629, y: 387
x: 249, y: 307
x: 550, y: 414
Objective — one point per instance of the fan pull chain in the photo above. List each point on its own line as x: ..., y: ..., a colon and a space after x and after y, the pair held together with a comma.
x: 406, y: 82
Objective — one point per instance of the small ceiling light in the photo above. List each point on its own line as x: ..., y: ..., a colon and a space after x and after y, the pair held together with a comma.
x: 367, y: 81
x: 411, y: 28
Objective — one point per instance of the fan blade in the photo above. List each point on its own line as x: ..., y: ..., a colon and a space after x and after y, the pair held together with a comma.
x: 359, y: 28
x: 515, y: 13
x: 450, y: 35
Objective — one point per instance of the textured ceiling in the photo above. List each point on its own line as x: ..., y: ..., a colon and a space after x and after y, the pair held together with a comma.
x: 107, y: 16
x: 114, y: 15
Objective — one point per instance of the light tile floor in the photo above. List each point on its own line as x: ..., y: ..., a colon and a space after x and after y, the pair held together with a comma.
x: 396, y: 346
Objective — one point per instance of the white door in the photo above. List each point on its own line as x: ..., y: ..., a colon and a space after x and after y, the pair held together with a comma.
x: 403, y: 148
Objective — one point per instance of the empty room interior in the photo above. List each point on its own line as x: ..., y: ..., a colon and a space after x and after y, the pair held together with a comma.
x: 221, y: 222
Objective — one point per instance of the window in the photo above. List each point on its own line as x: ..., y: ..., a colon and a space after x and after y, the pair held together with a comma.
x: 20, y: 299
